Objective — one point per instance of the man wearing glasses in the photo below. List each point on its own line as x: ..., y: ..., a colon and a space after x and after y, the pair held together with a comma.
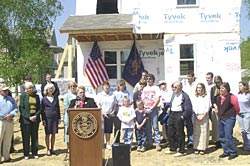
x: 151, y: 97
x: 180, y: 109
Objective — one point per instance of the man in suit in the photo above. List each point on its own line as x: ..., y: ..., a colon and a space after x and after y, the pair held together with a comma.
x: 48, y: 81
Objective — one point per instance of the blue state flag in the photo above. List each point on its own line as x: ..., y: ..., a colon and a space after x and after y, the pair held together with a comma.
x: 133, y: 67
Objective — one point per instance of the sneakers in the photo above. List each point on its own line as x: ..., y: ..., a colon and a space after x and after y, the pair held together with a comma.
x: 158, y: 148
x: 138, y: 148
x: 223, y: 155
x: 108, y: 147
x: 170, y: 152
x: 178, y: 154
x: 196, y: 152
x: 232, y: 156
x: 26, y: 157
x: 143, y: 149
x: 36, y: 157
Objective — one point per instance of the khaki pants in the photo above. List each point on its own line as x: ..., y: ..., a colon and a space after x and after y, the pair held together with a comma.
x: 215, y: 132
x: 6, y: 133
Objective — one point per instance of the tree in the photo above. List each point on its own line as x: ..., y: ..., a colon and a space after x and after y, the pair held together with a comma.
x: 25, y: 27
x: 247, y: 3
x: 245, y: 58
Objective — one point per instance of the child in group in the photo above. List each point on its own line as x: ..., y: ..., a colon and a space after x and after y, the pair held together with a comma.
x: 141, y: 119
x: 127, y: 116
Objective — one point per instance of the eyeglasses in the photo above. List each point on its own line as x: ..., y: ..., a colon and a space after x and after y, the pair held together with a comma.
x: 72, y: 86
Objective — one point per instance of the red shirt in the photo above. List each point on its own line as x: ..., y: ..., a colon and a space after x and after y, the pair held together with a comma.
x: 233, y: 101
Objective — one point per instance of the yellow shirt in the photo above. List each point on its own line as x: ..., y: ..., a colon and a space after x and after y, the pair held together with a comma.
x: 32, y: 103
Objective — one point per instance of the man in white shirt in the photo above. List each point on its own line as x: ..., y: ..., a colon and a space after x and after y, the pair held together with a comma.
x: 151, y: 97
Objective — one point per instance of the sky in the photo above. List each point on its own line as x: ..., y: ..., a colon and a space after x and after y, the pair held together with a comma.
x: 70, y: 8
x: 245, y: 23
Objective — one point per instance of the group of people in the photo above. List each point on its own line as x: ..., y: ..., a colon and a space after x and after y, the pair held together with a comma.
x: 189, y: 104
x: 194, y: 103
x: 33, y: 110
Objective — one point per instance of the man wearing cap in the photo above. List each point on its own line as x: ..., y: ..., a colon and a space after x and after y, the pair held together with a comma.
x: 8, y: 109
x: 12, y: 149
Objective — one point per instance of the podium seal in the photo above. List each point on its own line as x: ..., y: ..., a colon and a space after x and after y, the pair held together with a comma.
x: 84, y: 125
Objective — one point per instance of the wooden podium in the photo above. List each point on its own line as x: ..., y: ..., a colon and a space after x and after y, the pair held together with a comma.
x: 85, y: 137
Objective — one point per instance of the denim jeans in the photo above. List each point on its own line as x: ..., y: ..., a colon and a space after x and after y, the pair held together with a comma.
x: 244, y: 123
x: 128, y: 135
x: 141, y: 137
x: 190, y: 128
x: 225, y: 128
x: 153, y: 122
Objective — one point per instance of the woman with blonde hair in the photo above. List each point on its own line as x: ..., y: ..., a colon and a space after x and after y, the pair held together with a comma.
x: 50, y: 117
x: 81, y: 101
x: 30, y: 110
x: 201, y: 120
x: 66, y: 102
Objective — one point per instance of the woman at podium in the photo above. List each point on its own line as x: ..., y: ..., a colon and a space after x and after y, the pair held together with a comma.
x: 81, y: 101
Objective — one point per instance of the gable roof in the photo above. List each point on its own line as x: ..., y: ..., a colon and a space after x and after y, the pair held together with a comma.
x: 102, y: 27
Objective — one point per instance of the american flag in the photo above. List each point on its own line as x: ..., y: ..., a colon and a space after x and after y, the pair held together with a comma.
x: 95, y: 68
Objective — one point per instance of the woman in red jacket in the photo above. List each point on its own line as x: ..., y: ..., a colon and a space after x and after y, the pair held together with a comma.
x: 227, y: 107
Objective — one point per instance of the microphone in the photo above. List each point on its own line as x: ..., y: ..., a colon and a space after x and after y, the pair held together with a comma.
x: 77, y: 103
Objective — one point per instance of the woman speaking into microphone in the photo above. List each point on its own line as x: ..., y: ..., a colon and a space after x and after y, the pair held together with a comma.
x: 81, y: 100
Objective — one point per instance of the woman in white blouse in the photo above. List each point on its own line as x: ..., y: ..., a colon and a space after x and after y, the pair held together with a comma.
x: 201, y: 121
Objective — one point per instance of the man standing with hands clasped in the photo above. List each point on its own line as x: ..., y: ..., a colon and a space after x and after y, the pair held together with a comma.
x: 8, y: 109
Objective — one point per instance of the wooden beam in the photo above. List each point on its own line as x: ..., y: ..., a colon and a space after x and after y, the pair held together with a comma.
x: 103, y: 38
x: 58, y: 71
x: 117, y: 37
x: 70, y: 57
x: 87, y: 37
